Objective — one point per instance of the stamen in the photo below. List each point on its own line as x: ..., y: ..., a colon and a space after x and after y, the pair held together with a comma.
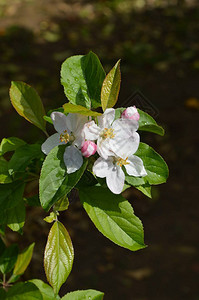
x: 64, y: 137
x: 121, y: 162
x: 108, y: 133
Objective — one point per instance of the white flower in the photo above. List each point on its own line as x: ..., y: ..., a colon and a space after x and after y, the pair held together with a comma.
x: 69, y: 130
x: 112, y: 170
x: 117, y: 136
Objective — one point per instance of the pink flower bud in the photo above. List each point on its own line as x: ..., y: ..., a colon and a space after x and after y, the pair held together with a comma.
x: 89, y: 148
x: 131, y: 113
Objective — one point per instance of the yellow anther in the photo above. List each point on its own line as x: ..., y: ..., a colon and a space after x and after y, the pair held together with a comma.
x: 64, y: 137
x: 108, y: 133
x: 121, y: 162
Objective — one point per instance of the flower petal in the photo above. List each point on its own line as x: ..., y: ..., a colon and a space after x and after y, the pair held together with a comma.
x: 102, y: 167
x: 124, y: 147
x: 59, y: 121
x: 115, y: 180
x: 125, y: 127
x: 107, y: 118
x: 103, y: 148
x: 75, y: 122
x: 51, y: 142
x: 73, y: 159
x: 91, y: 131
x: 135, y: 166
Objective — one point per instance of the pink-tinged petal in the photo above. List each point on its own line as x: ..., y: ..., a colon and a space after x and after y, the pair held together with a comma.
x: 75, y: 122
x: 73, y: 159
x: 103, y: 148
x: 59, y: 121
x: 135, y: 166
x: 89, y: 148
x: 50, y: 143
x: 102, y: 167
x: 107, y: 118
x: 91, y: 131
x: 131, y: 113
x: 124, y: 147
x: 115, y: 180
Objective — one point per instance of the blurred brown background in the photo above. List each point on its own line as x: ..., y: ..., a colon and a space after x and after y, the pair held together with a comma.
x: 159, y: 47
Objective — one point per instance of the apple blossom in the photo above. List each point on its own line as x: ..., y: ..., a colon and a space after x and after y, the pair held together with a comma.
x: 89, y: 148
x: 111, y: 169
x: 69, y: 131
x: 112, y: 136
x: 131, y: 113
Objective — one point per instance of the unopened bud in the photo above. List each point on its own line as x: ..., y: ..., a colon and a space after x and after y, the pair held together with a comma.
x: 131, y: 113
x: 89, y: 148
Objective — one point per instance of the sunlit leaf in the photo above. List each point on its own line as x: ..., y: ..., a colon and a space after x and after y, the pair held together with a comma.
x: 23, y: 260
x: 45, y: 289
x: 113, y: 216
x: 10, y: 144
x: 58, y: 256
x: 24, y: 291
x: 84, y: 295
x: 147, y: 123
x: 54, y: 181
x: 111, y: 87
x: 27, y: 103
x: 82, y: 77
x: 78, y: 109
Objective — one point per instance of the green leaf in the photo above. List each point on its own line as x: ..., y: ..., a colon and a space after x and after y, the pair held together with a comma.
x: 4, y: 174
x: 84, y: 295
x: 10, y: 144
x: 113, y: 216
x: 111, y: 87
x: 16, y: 217
x: 54, y: 181
x: 45, y: 289
x: 145, y: 189
x: 58, y: 256
x: 48, y: 119
x: 62, y: 204
x: 10, y: 196
x: 27, y: 103
x: 23, y: 260
x: 87, y: 180
x: 78, y: 109
x: 24, y: 291
x: 8, y: 259
x: 23, y: 157
x: 156, y: 168
x: 52, y: 217
x: 147, y: 123
x: 82, y: 77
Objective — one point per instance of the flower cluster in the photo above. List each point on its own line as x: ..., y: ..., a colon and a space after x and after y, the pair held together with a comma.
x: 115, y: 141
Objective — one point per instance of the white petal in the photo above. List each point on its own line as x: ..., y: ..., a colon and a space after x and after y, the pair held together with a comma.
x: 115, y: 180
x: 50, y: 143
x: 124, y: 147
x: 103, y: 148
x: 107, y: 118
x: 59, y: 121
x: 102, y: 167
x: 91, y: 131
x: 75, y: 122
x: 73, y: 159
x: 125, y: 127
x: 135, y: 166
